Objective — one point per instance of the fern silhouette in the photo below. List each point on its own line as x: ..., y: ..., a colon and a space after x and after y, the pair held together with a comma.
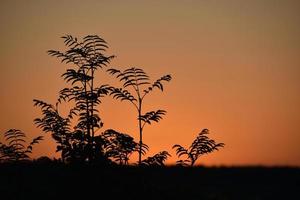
x: 139, y: 82
x: 201, y: 145
x: 156, y: 160
x: 15, y: 149
x: 78, y: 143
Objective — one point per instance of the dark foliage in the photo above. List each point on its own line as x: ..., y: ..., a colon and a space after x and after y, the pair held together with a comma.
x: 156, y: 160
x: 15, y: 149
x: 78, y: 134
x: 78, y: 143
x: 139, y: 82
x: 120, y: 146
x: 201, y: 145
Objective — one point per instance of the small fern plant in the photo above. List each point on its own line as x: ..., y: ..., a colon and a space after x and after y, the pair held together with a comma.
x: 15, y: 148
x: 200, y: 146
x: 138, y: 81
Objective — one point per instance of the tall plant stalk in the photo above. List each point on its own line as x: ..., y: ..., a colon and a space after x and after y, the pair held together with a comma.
x: 138, y: 81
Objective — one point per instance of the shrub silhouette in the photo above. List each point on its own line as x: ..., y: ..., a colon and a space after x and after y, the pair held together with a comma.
x: 138, y: 81
x: 201, y: 145
x: 120, y: 146
x: 15, y: 149
x: 78, y: 143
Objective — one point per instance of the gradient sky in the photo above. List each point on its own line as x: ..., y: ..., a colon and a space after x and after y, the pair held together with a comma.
x: 235, y: 64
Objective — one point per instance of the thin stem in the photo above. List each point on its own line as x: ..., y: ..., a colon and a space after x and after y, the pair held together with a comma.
x: 140, y: 130
x: 145, y: 93
x: 92, y: 109
x: 134, y: 105
x: 87, y: 108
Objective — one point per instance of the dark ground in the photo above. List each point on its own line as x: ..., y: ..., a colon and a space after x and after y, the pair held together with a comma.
x: 55, y: 181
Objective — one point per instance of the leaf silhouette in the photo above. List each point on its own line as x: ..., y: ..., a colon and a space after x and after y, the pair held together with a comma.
x: 158, y: 83
x: 33, y: 142
x: 120, y: 146
x: 119, y: 93
x: 138, y: 81
x: 152, y: 116
x: 156, y: 160
x: 201, y: 145
x: 15, y: 149
x: 75, y: 133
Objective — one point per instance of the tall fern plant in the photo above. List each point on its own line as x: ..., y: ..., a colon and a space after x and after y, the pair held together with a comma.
x: 139, y: 82
x: 86, y: 57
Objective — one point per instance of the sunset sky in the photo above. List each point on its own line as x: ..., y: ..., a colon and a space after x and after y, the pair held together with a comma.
x: 235, y: 67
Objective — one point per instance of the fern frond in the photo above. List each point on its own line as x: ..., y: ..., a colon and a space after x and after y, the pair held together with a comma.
x: 43, y: 105
x: 180, y: 151
x: 158, y: 83
x: 76, y: 76
x: 70, y: 41
x: 113, y: 71
x: 119, y: 93
x: 152, y: 116
x: 131, y: 77
x: 201, y: 145
x: 156, y: 160
x: 95, y: 42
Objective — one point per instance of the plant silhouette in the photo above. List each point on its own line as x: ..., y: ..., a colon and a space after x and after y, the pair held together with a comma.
x: 201, y: 145
x: 138, y: 81
x: 76, y: 133
x: 15, y: 149
x: 120, y: 146
x: 156, y: 160
x: 78, y: 143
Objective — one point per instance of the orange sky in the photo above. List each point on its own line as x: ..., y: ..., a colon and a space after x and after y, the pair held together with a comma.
x: 235, y: 67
